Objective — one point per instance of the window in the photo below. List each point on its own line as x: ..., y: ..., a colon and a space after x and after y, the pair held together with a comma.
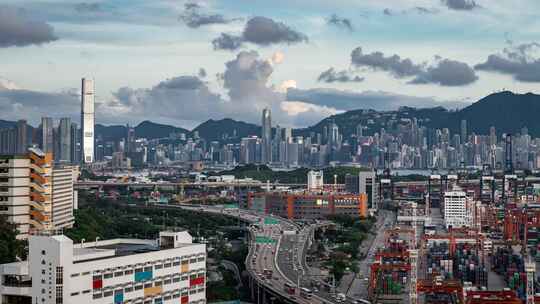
x: 108, y: 275
x: 158, y: 283
x: 86, y: 273
x: 118, y: 274
x: 128, y: 289
x: 86, y: 291
x: 177, y: 263
x: 147, y: 285
x: 201, y: 259
x: 97, y: 296
x: 160, y: 266
x: 74, y: 275
x: 167, y: 265
x: 73, y: 294
x: 138, y: 287
x: 59, y: 295
x: 129, y: 271
x: 193, y: 261
x: 167, y: 282
x: 148, y: 268
x: 59, y: 275
x: 176, y: 280
x: 108, y: 293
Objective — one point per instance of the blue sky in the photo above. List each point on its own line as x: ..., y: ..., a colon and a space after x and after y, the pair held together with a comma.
x: 146, y: 56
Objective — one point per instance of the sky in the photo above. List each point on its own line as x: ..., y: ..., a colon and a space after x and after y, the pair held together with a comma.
x: 184, y: 62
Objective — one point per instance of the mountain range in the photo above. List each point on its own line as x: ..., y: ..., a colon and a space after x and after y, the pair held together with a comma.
x: 507, y: 111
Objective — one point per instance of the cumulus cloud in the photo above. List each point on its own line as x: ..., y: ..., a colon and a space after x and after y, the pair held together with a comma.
x: 17, y: 29
x: 6, y: 84
x: 246, y: 81
x: 340, y: 22
x: 464, y: 5
x: 261, y: 31
x: 379, y: 62
x: 194, y: 18
x: 521, y: 62
x: 447, y: 72
x: 377, y: 100
x: 443, y: 72
x: 332, y: 75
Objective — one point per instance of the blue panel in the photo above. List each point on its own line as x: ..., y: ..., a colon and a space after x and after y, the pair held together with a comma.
x: 143, y: 276
x: 118, y: 298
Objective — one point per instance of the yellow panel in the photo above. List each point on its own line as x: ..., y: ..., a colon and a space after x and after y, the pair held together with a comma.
x: 152, y: 291
x: 185, y: 267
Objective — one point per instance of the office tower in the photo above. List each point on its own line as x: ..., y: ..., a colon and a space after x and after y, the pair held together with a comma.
x: 63, y: 196
x: 130, y: 139
x: 367, y: 183
x: 64, y: 140
x: 492, y: 136
x: 333, y: 134
x: 75, y: 144
x: 266, y: 136
x: 87, y: 120
x: 359, y: 131
x: 22, y: 141
x: 464, y: 134
x: 47, y: 134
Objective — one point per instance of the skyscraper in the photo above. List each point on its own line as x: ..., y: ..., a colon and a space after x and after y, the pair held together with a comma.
x: 22, y: 142
x: 464, y: 138
x: 64, y: 138
x: 266, y: 136
x: 75, y: 144
x: 47, y: 134
x: 87, y: 120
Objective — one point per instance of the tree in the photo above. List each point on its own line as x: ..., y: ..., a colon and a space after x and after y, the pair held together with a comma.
x: 10, y: 246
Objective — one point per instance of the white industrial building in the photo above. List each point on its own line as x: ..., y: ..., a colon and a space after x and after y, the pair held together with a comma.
x: 458, y: 209
x: 315, y: 180
x: 171, y: 269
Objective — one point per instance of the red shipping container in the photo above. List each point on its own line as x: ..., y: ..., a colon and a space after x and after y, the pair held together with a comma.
x: 97, y: 284
x: 184, y: 300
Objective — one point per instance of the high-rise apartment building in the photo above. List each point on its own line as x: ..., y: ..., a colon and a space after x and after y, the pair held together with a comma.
x: 15, y: 191
x: 64, y: 140
x: 33, y: 195
x: 75, y: 144
x: 266, y: 136
x: 63, y: 196
x: 87, y: 120
x: 22, y: 138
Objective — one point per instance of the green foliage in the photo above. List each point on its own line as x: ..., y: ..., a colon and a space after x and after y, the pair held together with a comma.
x: 105, y: 219
x: 263, y: 173
x: 10, y: 246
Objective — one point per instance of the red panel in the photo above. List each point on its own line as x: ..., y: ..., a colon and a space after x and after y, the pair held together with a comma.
x: 184, y: 300
x: 97, y: 284
x: 196, y: 281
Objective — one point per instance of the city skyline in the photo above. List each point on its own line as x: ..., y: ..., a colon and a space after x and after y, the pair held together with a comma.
x: 180, y: 48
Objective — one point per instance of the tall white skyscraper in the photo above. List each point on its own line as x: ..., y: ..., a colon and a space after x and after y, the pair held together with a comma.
x: 87, y: 120
x: 266, y: 136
